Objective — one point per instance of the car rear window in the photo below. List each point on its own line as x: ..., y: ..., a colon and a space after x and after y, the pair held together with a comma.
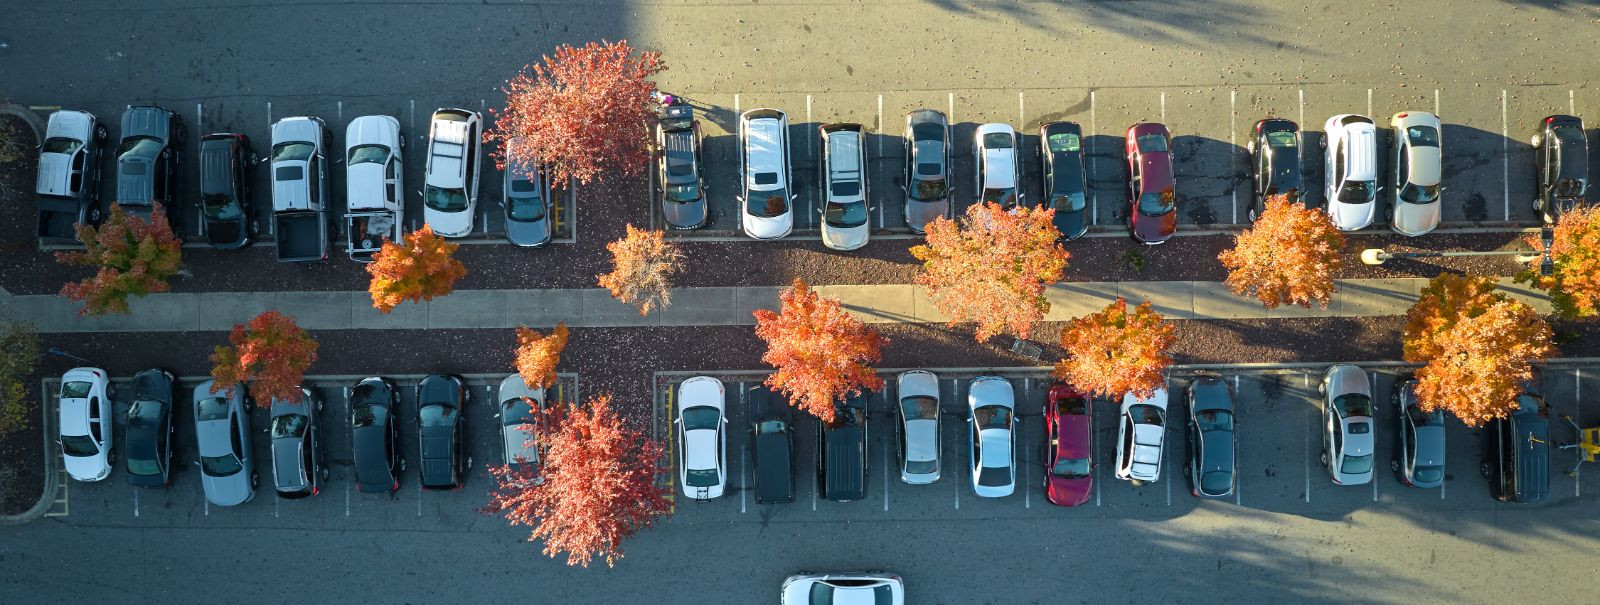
x: 765, y: 178
x: 1423, y: 136
x: 289, y: 173
x: 1282, y: 139
x: 1065, y: 142
x: 997, y: 140
x: 1152, y: 143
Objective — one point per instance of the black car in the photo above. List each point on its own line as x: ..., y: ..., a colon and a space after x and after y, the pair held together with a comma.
x: 147, y: 161
x: 926, y: 181
x: 1516, y: 449
x: 298, y: 469
x: 842, y: 452
x: 147, y: 440
x: 441, y: 431
x: 1061, y: 155
x: 1274, y: 163
x: 530, y: 220
x: 679, y: 168
x: 772, y: 446
x: 375, y: 435
x: 1212, y: 443
x: 1561, y: 161
x: 227, y: 211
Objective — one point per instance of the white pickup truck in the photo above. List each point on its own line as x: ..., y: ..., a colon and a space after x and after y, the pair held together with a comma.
x: 374, y: 187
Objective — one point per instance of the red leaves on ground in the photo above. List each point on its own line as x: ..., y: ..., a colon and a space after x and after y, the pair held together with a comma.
x: 271, y: 353
x: 1478, y: 345
x: 537, y: 355
x: 820, y: 352
x: 1112, y: 352
x: 643, y: 264
x: 134, y: 257
x: 992, y: 269
x: 1289, y: 255
x: 599, y: 484
x: 421, y: 269
x: 1574, y: 286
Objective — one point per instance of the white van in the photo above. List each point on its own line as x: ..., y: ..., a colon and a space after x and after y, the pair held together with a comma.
x: 766, y: 194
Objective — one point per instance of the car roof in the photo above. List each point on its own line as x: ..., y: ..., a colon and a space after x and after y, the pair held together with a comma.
x: 73, y: 413
x: 447, y: 150
x: 698, y: 391
x: 1076, y: 435
x: 1210, y: 393
x: 700, y: 449
x: 764, y: 137
x: 922, y: 439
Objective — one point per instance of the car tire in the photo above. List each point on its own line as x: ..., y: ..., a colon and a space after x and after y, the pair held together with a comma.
x: 402, y: 464
x: 255, y: 480
x: 1186, y: 471
x: 100, y: 133
x: 1537, y: 141
x: 1323, y: 459
x: 1322, y: 141
x: 1250, y: 147
x: 94, y: 215
x: 1251, y: 213
x: 1484, y: 469
x: 1136, y: 482
x: 111, y: 458
x: 1394, y: 464
x: 255, y: 228
x: 325, y: 473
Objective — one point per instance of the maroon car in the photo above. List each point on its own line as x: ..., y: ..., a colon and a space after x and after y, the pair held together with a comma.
x: 1152, y: 203
x: 1068, y: 461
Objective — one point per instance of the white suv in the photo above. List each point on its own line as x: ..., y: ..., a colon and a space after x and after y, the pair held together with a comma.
x: 1350, y: 170
x: 844, y: 186
x: 1141, y: 433
x: 764, y: 171
x: 85, y: 423
x: 450, y: 196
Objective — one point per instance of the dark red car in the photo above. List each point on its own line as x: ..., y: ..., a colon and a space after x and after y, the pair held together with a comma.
x: 1152, y: 201
x: 1068, y: 461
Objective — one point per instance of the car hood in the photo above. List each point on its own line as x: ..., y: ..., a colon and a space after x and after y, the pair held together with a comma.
x: 152, y: 385
x: 1068, y: 491
x: 1158, y: 399
x: 529, y: 233
x: 514, y: 386
x: 230, y: 490
x: 1154, y: 229
x: 920, y: 213
x: 1416, y: 219
x: 1347, y: 379
x: 373, y: 130
x: 1209, y: 394
x: 87, y: 468
x: 844, y: 238
x: 301, y: 129
x: 1350, y: 217
x: 688, y: 215
x: 225, y: 232
x: 917, y: 384
x: 769, y: 228
x: 70, y: 124
x: 55, y: 171
x: 364, y: 185
x: 145, y: 122
x: 450, y: 224
x: 1071, y: 223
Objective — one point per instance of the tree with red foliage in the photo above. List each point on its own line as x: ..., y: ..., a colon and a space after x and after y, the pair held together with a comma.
x: 537, y: 354
x: 582, y: 112
x: 1478, y: 345
x: 821, y: 353
x: 134, y: 257
x: 1289, y: 255
x: 992, y: 268
x: 642, y: 266
x: 599, y: 484
x: 1574, y: 286
x: 1112, y: 351
x: 271, y: 353
x: 423, y: 268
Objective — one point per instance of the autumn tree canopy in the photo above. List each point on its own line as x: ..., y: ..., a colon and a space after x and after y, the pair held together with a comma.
x: 1574, y: 286
x: 581, y: 112
x: 271, y: 353
x: 821, y: 354
x: 1478, y: 346
x: 1112, y: 351
x: 421, y: 268
x: 537, y: 354
x: 1289, y: 256
x: 132, y: 257
x: 599, y: 484
x: 642, y: 266
x: 992, y: 267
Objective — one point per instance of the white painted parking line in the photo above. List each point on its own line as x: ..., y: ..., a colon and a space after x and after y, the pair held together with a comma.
x: 339, y: 111
x: 1163, y: 107
x: 1577, y: 412
x: 413, y: 119
x: 269, y: 116
x: 353, y: 449
x: 1094, y: 215
x: 1572, y: 103
x: 1369, y: 102
x: 880, y: 205
x: 1373, y: 377
x: 1505, y: 155
x: 744, y: 483
x: 1022, y: 112
x: 1237, y: 483
x: 736, y: 109
x: 207, y: 502
x: 1233, y: 116
x: 200, y: 118
x: 275, y: 508
x: 886, y: 476
x: 1436, y: 102
x: 136, y: 502
x: 1302, y: 108
x: 1305, y: 381
x: 419, y: 489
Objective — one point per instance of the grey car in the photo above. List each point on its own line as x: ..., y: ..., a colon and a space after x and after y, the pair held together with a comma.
x: 518, y: 412
x: 148, y: 159
x: 530, y: 219
x: 1213, y: 461
x: 926, y: 181
x: 1419, y: 459
x: 1347, y: 425
x: 222, y: 434
x: 298, y: 468
x: 918, y: 443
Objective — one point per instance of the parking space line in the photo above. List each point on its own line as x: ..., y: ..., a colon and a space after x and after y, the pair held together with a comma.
x: 1237, y: 483
x: 346, y: 390
x: 1436, y: 102
x: 419, y: 484
x: 413, y: 120
x: 1369, y: 102
x: 1373, y: 378
x: 1302, y: 109
x: 1233, y: 117
x: 1577, y: 413
x: 886, y: 476
x: 1505, y: 155
x: 1094, y: 212
x: 743, y: 484
x: 1164, y: 107
x: 880, y: 157
x: 207, y: 504
x: 1094, y: 441
x: 1572, y: 103
x: 275, y: 508
x: 339, y: 111
x: 136, y: 502
x: 737, y: 110
x: 269, y: 117
x: 1305, y: 382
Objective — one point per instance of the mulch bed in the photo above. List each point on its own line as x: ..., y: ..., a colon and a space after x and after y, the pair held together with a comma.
x: 21, y: 466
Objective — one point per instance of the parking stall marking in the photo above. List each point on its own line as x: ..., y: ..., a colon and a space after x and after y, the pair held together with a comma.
x: 1436, y: 102
x: 1369, y: 102
x: 1094, y: 210
x: 1163, y: 107
x: 743, y: 484
x: 1505, y: 154
x: 346, y: 391
x: 1572, y: 103
x: 1373, y: 377
x: 1577, y: 413
x: 1233, y: 118
x: 880, y: 203
x: 886, y: 475
x: 136, y: 503
x: 1238, y: 484
x: 1305, y: 382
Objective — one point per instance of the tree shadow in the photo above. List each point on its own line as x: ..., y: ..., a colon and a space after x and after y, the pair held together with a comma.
x: 1186, y: 24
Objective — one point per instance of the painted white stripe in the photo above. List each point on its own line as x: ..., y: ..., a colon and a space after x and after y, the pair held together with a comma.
x: 1436, y: 102
x: 1163, y: 107
x: 1094, y: 217
x: 1572, y: 103
x: 1369, y: 102
x: 1306, y: 439
x: 1302, y: 108
x: 1238, y: 482
x: 1233, y: 117
x: 880, y: 206
x: 136, y: 502
x: 1577, y: 412
x: 1505, y: 156
x: 269, y: 116
x: 885, y: 476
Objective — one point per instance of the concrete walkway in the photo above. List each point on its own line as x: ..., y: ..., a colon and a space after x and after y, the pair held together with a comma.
x: 690, y: 306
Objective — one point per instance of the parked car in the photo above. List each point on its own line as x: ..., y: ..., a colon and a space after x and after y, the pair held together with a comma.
x: 441, y: 431
x: 998, y: 169
x: 521, y: 412
x: 1152, y: 184
x: 375, y: 435
x: 298, y: 465
x: 227, y: 205
x: 1419, y: 457
x: 1274, y: 148
x: 764, y: 170
x: 702, y: 438
x: 864, y: 588
x: 1213, y: 445
x: 147, y: 439
x: 991, y: 418
x: 1347, y: 439
x: 1516, y: 449
x: 845, y: 198
x: 842, y: 452
x: 772, y: 445
x: 222, y: 434
x: 1560, y: 164
x: 1141, y: 435
x: 680, y: 169
x: 1350, y: 170
x: 1068, y: 446
x: 450, y: 187
x: 927, y: 172
x: 375, y: 199
x: 70, y: 172
x: 917, y: 433
x: 1415, y: 206
x: 148, y: 160
x: 84, y: 420
x: 1061, y: 156
x: 530, y: 216
x: 300, y: 197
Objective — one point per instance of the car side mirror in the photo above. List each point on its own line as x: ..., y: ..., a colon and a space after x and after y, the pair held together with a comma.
x: 419, y: 193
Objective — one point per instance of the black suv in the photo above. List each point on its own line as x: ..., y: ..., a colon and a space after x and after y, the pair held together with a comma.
x: 1561, y: 161
x: 147, y: 162
x: 842, y: 452
x: 147, y: 440
x: 1516, y: 450
x: 298, y: 469
x: 678, y: 168
x: 441, y: 431
x: 772, y: 446
x: 375, y: 435
x: 1061, y: 157
x: 227, y: 211
x: 1274, y: 163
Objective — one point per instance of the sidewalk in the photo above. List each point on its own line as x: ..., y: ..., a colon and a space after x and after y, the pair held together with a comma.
x: 594, y: 308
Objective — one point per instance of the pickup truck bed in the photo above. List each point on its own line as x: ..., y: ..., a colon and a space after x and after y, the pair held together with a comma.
x: 302, y: 236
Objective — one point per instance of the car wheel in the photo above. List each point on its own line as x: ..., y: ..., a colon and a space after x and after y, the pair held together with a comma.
x: 319, y: 406
x: 100, y: 132
x: 1537, y: 141
x: 1322, y: 389
x: 255, y: 228
x: 1136, y: 482
x: 111, y: 458
x: 402, y: 142
x: 325, y: 473
x: 1186, y: 471
x: 1251, y: 213
x: 1322, y: 141
x: 1394, y: 464
x: 1483, y: 469
x: 255, y: 480
x: 469, y: 463
x: 402, y: 464
x: 94, y: 215
x: 1323, y: 459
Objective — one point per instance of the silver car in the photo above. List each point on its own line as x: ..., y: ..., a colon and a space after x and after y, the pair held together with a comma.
x: 927, y: 172
x: 1419, y: 461
x: 222, y: 434
x: 991, y: 418
x: 873, y: 587
x: 518, y: 409
x: 918, y: 443
x: 1415, y: 205
x: 1347, y: 425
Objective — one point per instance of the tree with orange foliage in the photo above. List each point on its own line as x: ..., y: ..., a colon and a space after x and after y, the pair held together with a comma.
x: 537, y: 354
x: 599, y: 484
x: 821, y: 353
x: 133, y: 257
x: 642, y: 266
x: 422, y: 268
x: 992, y: 268
x: 1574, y: 286
x: 582, y: 112
x: 1112, y: 351
x: 1289, y: 255
x: 1478, y: 345
x: 271, y: 353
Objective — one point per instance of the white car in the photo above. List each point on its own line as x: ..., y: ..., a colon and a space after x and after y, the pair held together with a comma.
x: 1350, y: 172
x: 702, y: 438
x: 450, y: 193
x: 998, y: 172
x: 1347, y: 439
x: 1141, y: 434
x: 374, y: 184
x: 863, y: 588
x: 85, y: 422
x: 767, y: 191
x: 845, y: 208
x: 1414, y: 207
x: 918, y: 442
x: 518, y: 413
x: 992, y: 424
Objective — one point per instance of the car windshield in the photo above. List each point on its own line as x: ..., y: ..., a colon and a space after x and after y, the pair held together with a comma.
x: 1428, y: 474
x: 292, y: 151
x: 1357, y: 192
x: 1071, y: 468
x: 770, y: 426
x: 1072, y: 406
x: 220, y: 466
x: 437, y: 414
x: 220, y: 207
x: 75, y: 389
x: 1156, y: 204
x: 445, y: 199
x: 1003, y: 197
x: 212, y: 408
x: 78, y: 445
x: 1423, y: 136
x: 919, y: 406
x: 921, y: 467
x: 516, y: 411
x: 526, y: 209
x: 143, y: 467
x: 1356, y: 465
x: 1282, y: 139
x: 700, y: 417
x: 145, y: 147
x: 145, y: 412
x: 1567, y: 133
x: 289, y: 425
x: 991, y: 417
x: 1214, y: 420
x: 1065, y: 142
x: 1421, y: 418
x: 1419, y: 194
x: 683, y: 194
x: 1567, y: 188
x: 1152, y: 143
x: 1353, y: 404
x: 767, y: 204
x: 368, y: 154
x: 929, y: 190
x: 1070, y: 202
x: 368, y: 415
x: 997, y: 140
x: 1147, y: 414
x: 705, y: 477
x: 62, y: 145
x: 852, y: 214
x: 1216, y: 482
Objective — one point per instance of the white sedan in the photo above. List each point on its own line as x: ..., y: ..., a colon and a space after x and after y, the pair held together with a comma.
x: 1350, y: 170
x: 991, y: 403
x: 870, y: 588
x: 85, y: 421
x: 702, y: 438
x: 1140, y: 436
x: 1414, y: 207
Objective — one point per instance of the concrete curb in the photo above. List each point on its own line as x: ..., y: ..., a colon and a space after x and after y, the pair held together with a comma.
x: 27, y: 115
x: 52, y: 479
